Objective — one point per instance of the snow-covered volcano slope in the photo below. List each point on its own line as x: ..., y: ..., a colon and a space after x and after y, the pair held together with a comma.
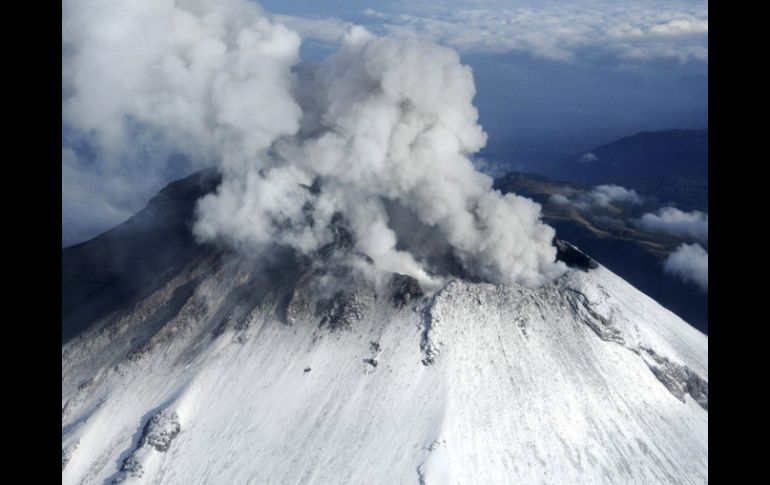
x: 233, y: 371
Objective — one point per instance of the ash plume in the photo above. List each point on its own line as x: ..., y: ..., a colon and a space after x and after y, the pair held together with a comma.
x: 384, y: 122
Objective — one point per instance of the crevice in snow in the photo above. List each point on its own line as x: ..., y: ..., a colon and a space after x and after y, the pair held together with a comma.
x: 376, y: 349
x: 421, y: 475
x: 81, y: 394
x: 67, y: 452
x: 601, y: 325
x: 421, y: 469
x: 680, y: 380
x: 436, y: 444
x: 428, y: 343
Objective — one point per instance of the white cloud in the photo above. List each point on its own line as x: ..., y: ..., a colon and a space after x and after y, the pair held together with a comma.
x: 555, y: 30
x: 670, y: 220
x: 565, y: 31
x: 559, y: 199
x: 690, y: 262
x: 681, y: 27
x: 588, y: 157
x: 604, y: 195
x: 370, y: 12
x: 601, y: 196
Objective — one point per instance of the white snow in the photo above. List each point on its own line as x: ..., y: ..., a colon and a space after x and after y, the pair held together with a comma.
x: 522, y: 389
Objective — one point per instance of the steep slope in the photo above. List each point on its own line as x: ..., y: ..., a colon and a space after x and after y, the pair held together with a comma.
x: 609, y: 236
x: 130, y: 261
x: 298, y: 370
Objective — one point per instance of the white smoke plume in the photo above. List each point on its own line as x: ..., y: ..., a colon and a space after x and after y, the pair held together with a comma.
x: 670, y: 220
x: 690, y: 262
x: 382, y: 123
x: 154, y: 89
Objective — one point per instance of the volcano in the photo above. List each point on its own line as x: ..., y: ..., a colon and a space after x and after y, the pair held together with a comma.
x: 186, y: 363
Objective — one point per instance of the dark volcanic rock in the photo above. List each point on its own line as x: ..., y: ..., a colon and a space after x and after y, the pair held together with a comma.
x: 342, y: 242
x: 573, y: 257
x: 158, y: 433
x: 341, y: 310
x: 121, y: 266
x: 160, y: 430
x: 404, y: 290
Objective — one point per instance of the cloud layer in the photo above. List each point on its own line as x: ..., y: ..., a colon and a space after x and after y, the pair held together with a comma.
x: 690, y: 262
x: 556, y: 30
x: 302, y: 148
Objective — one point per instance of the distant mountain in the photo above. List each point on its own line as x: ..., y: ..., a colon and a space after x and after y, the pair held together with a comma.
x: 682, y: 153
x: 671, y: 165
x: 606, y: 234
x: 188, y: 364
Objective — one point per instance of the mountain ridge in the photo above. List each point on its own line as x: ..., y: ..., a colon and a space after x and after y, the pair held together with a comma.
x: 672, y: 165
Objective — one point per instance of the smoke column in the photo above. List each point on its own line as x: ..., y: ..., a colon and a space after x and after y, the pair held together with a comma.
x: 382, y: 122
